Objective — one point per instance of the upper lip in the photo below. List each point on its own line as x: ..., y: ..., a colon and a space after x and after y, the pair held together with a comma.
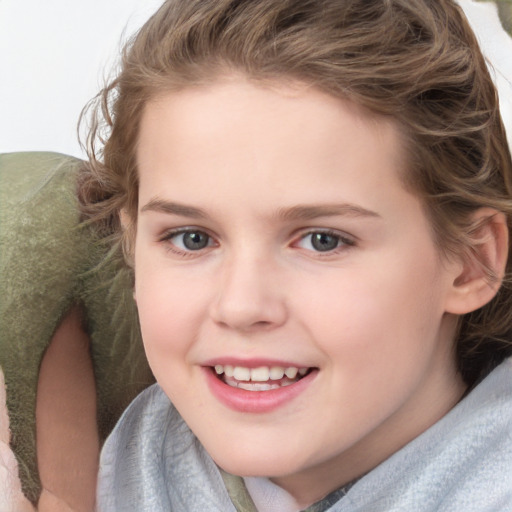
x: 253, y: 363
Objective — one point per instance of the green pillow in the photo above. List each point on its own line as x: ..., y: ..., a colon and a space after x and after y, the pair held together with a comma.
x: 49, y: 261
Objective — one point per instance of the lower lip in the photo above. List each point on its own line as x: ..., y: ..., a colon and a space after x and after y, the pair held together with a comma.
x: 241, y: 400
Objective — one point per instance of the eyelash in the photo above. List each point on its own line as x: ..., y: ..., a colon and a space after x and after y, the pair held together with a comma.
x: 171, y: 247
x: 343, y: 241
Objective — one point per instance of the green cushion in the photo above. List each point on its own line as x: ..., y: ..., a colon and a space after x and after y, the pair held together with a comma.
x: 49, y: 261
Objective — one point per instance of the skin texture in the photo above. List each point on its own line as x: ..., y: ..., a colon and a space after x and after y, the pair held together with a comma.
x: 375, y: 316
x: 67, y: 436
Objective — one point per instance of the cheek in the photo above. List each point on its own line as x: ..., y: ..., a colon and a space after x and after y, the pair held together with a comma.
x: 380, y: 313
x: 166, y: 323
x: 169, y: 306
x: 378, y: 336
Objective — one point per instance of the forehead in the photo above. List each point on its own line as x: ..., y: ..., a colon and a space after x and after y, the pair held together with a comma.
x: 293, y: 143
x: 235, y: 108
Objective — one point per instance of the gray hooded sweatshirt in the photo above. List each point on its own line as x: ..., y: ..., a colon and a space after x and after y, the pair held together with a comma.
x: 153, y: 462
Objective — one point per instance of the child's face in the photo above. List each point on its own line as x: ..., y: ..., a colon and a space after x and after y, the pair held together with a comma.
x: 274, y: 232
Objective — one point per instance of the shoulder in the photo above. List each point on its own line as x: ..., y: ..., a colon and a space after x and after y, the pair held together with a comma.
x: 479, y: 447
x: 141, y: 432
x: 150, y: 413
x: 463, y: 462
x: 153, y: 462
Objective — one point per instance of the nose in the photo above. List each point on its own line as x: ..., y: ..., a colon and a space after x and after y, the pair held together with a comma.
x: 250, y: 297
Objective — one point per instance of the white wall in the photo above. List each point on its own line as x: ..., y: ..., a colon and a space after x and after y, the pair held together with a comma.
x: 54, y: 53
x: 53, y: 56
x: 496, y: 45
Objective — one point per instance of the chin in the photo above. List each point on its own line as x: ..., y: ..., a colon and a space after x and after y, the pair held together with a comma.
x: 258, y: 465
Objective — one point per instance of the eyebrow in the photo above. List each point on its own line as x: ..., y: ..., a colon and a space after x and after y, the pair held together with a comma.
x: 307, y: 212
x: 293, y: 213
x: 172, y: 208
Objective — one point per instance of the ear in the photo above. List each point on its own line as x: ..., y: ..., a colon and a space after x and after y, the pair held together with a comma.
x: 483, y: 267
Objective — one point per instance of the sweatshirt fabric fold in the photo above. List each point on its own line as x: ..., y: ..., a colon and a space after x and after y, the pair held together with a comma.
x: 153, y: 462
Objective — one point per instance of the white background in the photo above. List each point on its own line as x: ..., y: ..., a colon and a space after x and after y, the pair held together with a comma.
x: 54, y: 55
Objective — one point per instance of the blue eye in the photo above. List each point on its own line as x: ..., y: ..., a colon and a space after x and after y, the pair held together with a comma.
x: 190, y: 240
x: 323, y: 241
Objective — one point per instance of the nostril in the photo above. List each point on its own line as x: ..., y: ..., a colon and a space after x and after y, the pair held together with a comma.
x: 248, y: 315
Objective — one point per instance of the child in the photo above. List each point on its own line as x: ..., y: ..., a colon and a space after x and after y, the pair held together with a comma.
x: 315, y: 198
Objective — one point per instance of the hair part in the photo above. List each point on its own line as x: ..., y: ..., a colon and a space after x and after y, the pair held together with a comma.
x: 416, y: 61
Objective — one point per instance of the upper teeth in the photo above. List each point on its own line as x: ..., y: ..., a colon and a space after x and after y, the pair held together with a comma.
x: 260, y: 374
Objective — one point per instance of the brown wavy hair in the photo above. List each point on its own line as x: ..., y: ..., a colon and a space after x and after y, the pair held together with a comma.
x: 414, y: 60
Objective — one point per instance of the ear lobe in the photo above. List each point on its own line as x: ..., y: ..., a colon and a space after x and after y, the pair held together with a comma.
x: 484, y: 264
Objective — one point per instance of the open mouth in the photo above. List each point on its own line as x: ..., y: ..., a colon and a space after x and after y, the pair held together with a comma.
x: 262, y: 378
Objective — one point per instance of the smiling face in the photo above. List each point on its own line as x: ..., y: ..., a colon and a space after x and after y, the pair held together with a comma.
x: 292, y: 301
